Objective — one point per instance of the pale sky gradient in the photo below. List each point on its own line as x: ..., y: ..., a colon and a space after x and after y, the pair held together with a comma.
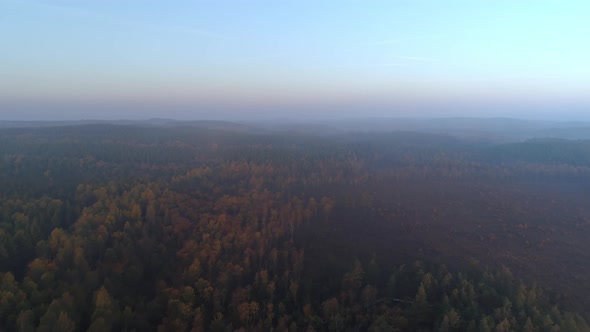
x: 244, y: 59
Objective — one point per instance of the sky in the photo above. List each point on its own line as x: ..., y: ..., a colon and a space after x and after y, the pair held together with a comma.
x: 247, y: 59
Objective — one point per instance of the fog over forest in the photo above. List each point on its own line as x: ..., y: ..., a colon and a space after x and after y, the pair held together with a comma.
x: 368, y: 225
x: 294, y: 165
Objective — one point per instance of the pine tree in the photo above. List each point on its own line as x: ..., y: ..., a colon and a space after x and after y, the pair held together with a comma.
x: 528, y: 326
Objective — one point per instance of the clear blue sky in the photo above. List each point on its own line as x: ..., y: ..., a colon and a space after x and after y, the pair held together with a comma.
x: 241, y: 59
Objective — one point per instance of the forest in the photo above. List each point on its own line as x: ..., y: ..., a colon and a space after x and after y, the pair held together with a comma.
x: 224, y: 227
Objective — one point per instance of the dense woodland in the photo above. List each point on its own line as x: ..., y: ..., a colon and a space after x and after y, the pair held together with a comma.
x: 223, y: 228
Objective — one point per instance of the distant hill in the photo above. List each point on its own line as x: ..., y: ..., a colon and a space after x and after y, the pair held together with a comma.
x: 479, y: 129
